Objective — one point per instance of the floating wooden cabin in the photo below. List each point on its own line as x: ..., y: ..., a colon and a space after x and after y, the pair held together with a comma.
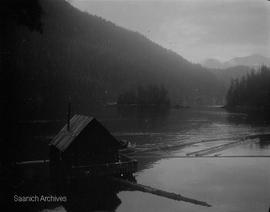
x: 84, y: 147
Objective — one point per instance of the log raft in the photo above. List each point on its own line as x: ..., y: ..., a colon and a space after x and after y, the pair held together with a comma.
x: 220, y: 148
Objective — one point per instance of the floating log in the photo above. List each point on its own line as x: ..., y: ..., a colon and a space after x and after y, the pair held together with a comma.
x: 133, y: 151
x: 159, y: 192
x: 205, y: 156
x: 218, y: 148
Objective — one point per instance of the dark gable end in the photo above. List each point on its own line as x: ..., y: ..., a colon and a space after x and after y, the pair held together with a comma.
x: 98, y: 138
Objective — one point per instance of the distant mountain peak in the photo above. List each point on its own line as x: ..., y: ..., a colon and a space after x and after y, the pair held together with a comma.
x: 253, y: 61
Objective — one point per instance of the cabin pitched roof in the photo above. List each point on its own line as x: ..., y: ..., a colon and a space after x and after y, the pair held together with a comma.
x: 64, y: 138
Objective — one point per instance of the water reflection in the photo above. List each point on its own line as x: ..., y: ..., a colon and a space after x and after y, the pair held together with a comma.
x: 214, y: 180
x: 142, y: 112
x: 254, y: 119
x: 94, y: 194
x: 228, y: 184
x: 144, y: 118
x: 264, y: 142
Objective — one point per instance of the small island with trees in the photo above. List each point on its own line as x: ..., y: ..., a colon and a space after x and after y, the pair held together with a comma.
x: 145, y: 96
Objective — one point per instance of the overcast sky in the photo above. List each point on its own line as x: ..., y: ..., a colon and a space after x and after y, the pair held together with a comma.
x: 196, y: 29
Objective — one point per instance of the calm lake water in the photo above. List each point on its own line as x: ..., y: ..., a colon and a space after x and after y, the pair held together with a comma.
x: 236, y: 179
x: 228, y: 184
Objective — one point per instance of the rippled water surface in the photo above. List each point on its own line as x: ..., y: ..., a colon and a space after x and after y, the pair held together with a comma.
x: 234, y: 178
x: 227, y: 183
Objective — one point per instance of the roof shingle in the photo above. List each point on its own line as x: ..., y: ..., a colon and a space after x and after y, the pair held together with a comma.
x: 64, y: 138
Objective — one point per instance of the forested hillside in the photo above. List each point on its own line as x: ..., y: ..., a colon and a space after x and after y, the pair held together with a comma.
x: 226, y: 75
x: 58, y: 53
x: 252, y: 92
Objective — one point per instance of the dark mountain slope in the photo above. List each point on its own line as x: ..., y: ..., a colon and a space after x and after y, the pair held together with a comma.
x: 91, y: 60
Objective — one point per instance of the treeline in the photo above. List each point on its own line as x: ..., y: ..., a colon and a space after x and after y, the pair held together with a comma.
x: 151, y: 95
x: 251, y: 92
